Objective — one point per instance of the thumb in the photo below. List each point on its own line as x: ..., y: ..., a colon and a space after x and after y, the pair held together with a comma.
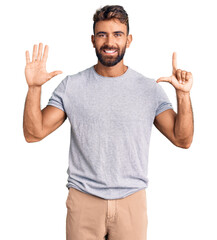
x: 164, y: 79
x: 53, y: 74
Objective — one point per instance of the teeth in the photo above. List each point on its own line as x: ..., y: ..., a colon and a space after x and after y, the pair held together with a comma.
x: 110, y: 51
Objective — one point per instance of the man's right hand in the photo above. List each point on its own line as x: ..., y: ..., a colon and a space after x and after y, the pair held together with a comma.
x: 35, y: 71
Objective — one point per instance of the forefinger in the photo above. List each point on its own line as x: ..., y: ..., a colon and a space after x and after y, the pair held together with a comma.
x: 174, y: 62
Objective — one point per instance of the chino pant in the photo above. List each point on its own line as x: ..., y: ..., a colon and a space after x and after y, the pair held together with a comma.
x: 93, y: 218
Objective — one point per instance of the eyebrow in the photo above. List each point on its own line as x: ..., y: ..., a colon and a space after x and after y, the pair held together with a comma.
x: 113, y: 32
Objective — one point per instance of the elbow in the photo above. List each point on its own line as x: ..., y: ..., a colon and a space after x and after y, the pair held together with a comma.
x: 28, y: 140
x: 31, y: 138
x: 184, y: 144
x: 188, y: 144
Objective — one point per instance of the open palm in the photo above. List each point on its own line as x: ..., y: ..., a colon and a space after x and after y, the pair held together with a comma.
x: 35, y: 71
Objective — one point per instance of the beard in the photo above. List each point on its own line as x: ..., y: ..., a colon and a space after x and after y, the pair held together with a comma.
x: 110, y: 61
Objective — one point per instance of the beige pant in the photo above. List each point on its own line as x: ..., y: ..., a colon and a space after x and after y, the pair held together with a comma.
x: 93, y: 218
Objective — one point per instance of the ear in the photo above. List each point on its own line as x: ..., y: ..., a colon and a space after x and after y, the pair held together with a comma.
x: 129, y: 40
x: 93, y: 40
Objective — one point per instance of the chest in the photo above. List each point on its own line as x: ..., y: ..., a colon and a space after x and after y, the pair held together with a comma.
x: 116, y: 102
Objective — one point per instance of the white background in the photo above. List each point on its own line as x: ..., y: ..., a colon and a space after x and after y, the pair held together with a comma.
x: 181, y: 196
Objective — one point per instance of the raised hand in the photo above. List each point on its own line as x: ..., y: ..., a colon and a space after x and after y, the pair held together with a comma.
x: 180, y: 79
x: 35, y: 71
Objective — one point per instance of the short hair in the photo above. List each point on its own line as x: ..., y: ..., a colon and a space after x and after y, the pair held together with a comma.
x: 109, y: 12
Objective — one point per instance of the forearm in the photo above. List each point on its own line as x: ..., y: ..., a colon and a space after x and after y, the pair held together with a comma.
x: 32, y: 119
x: 184, y: 123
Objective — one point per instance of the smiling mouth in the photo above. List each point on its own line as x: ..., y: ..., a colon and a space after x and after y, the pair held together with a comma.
x: 110, y: 52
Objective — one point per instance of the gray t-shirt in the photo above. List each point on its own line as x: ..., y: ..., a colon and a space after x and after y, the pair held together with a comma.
x: 111, y: 120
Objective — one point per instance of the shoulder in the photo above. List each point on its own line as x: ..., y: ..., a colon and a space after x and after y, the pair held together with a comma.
x: 149, y: 82
x: 77, y: 78
x: 79, y: 74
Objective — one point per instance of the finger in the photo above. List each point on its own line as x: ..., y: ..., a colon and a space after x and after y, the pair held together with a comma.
x: 40, y: 51
x: 174, y: 62
x: 178, y: 75
x: 34, y: 53
x: 53, y: 74
x: 164, y: 79
x: 188, y: 76
x: 27, y: 57
x: 183, y: 75
x: 45, y: 55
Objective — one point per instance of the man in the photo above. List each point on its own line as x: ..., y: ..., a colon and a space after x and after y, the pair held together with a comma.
x: 111, y: 109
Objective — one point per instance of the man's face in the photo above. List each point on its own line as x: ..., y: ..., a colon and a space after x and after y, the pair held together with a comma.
x: 110, y: 41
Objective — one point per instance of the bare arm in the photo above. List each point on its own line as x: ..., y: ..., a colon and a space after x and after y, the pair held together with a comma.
x: 178, y: 128
x: 184, y: 124
x: 38, y: 123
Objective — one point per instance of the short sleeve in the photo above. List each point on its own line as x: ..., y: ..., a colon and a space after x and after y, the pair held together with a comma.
x: 162, y: 101
x: 57, y: 97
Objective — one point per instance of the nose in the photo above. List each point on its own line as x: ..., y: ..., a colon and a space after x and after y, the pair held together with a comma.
x: 110, y: 40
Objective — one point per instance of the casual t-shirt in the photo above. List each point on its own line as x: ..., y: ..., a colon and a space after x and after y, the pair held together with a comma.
x: 111, y: 120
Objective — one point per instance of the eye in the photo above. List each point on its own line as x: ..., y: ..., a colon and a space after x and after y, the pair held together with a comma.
x: 101, y: 35
x: 118, y: 34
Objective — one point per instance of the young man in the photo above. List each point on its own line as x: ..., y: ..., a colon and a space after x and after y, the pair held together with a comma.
x: 111, y: 108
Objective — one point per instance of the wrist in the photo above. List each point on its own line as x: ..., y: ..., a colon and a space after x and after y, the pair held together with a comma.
x: 180, y: 93
x: 34, y: 86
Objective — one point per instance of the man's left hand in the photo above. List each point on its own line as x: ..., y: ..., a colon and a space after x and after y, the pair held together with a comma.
x: 180, y: 79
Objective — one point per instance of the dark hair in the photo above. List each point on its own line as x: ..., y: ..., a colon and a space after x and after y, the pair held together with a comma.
x: 111, y: 11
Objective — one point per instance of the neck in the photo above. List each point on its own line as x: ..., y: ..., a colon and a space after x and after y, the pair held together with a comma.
x: 114, y: 71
